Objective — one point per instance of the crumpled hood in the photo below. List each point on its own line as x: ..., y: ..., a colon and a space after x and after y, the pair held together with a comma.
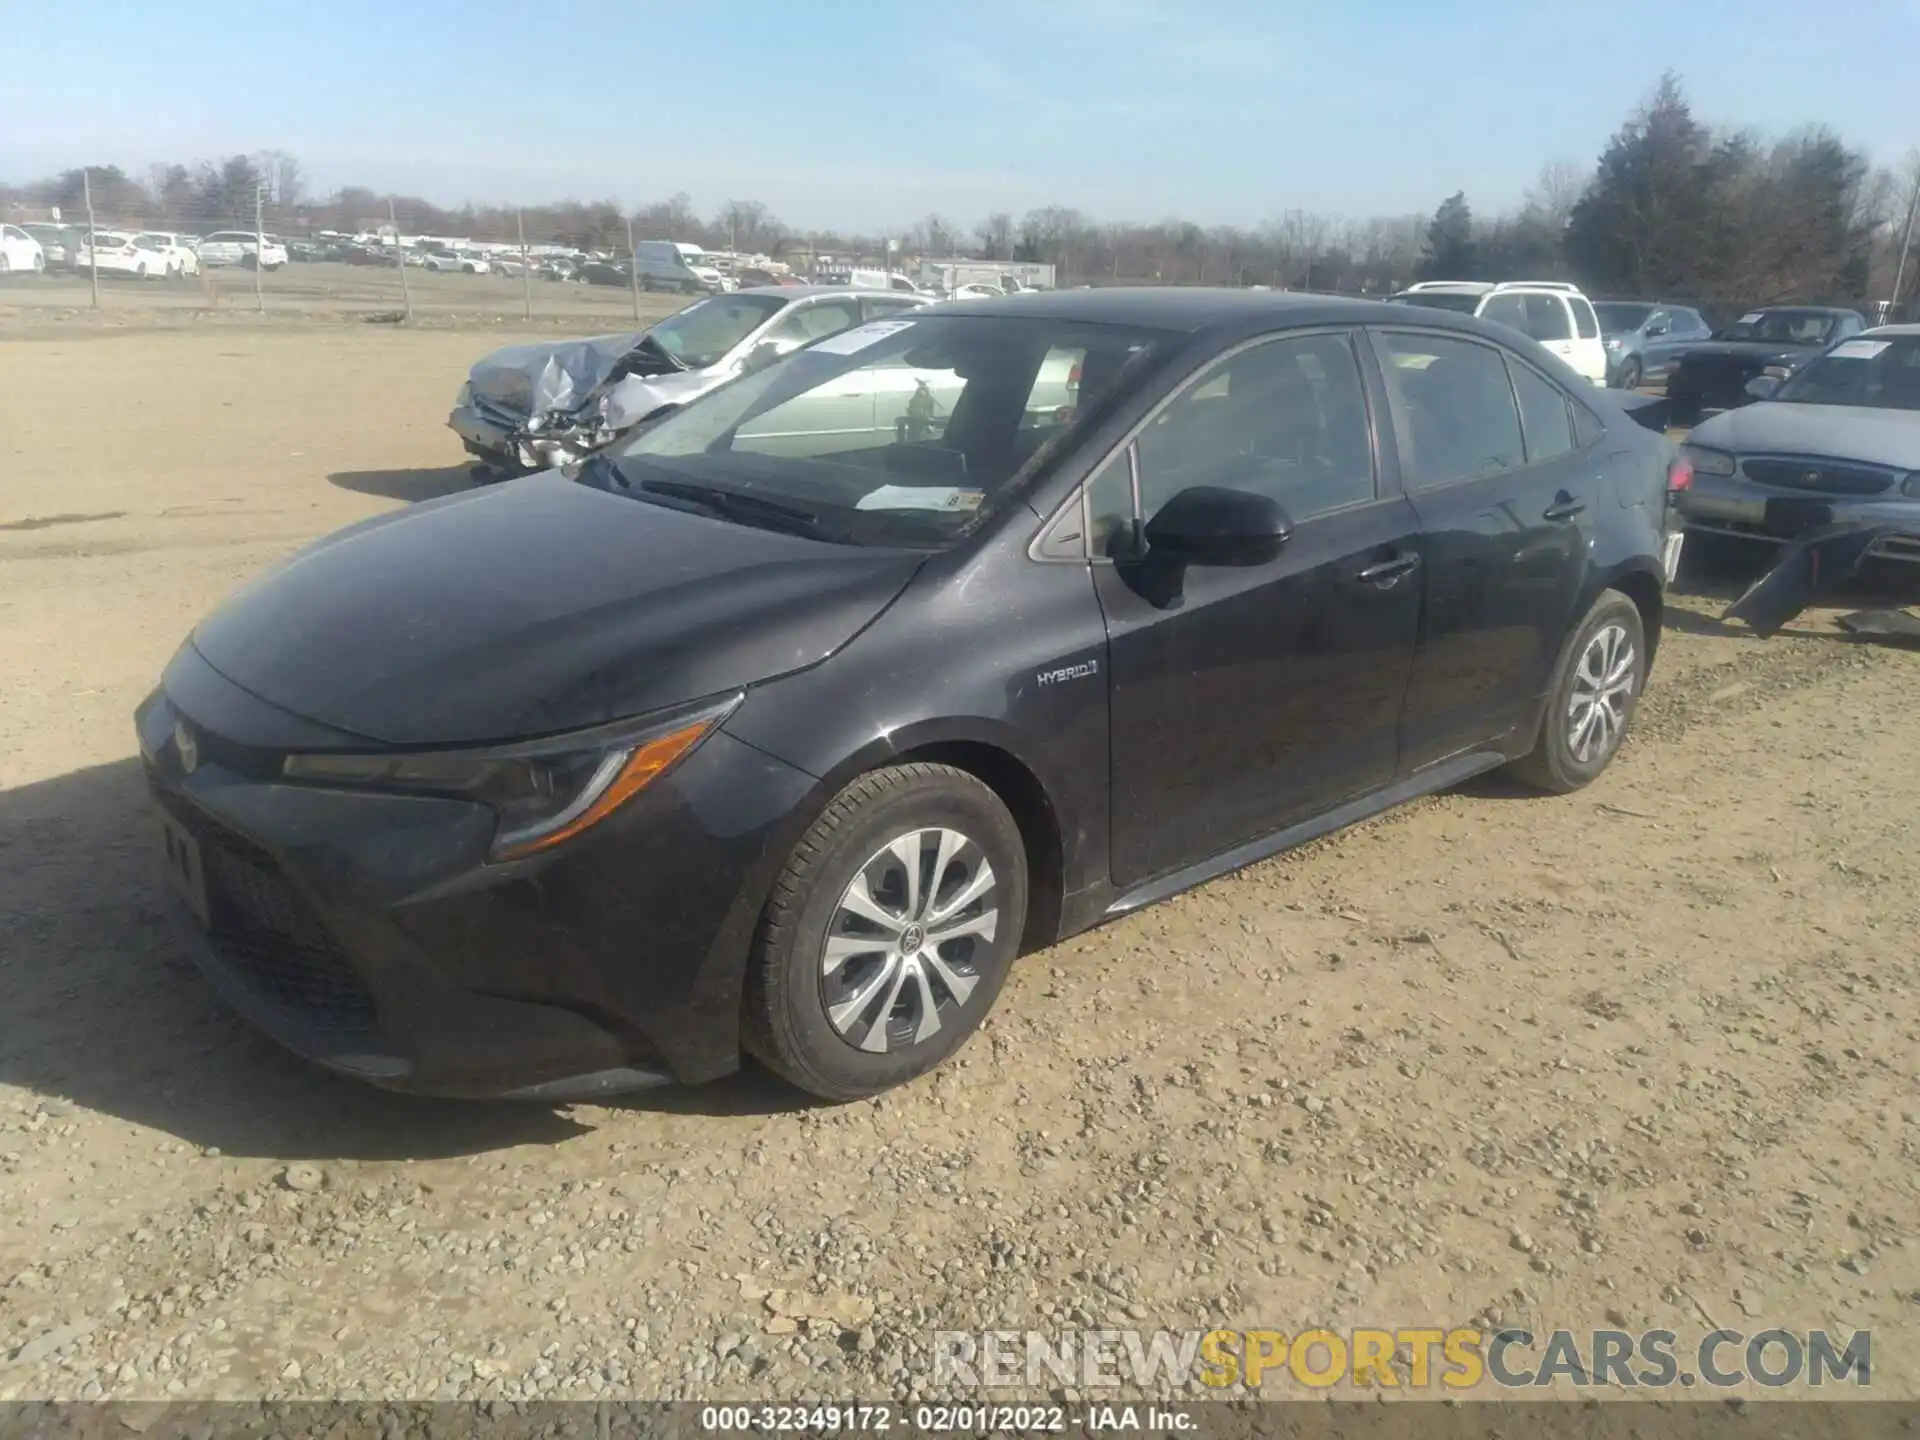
x: 1836, y: 432
x: 534, y: 607
x: 1762, y: 350
x: 533, y: 379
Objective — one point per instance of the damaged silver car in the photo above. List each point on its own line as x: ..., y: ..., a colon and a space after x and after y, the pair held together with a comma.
x: 533, y: 407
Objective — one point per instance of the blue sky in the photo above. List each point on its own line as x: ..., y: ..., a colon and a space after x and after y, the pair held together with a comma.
x: 864, y: 114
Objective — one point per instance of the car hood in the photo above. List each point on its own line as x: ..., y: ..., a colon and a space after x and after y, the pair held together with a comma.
x: 564, y: 376
x: 534, y: 607
x: 1839, y: 432
x: 1749, y: 350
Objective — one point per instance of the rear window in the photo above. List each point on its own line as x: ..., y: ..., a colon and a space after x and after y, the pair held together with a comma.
x: 1584, y: 321
x: 1547, y: 318
x: 1440, y: 300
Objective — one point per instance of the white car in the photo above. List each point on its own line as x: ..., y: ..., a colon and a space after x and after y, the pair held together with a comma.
x: 242, y: 247
x: 1550, y: 311
x: 179, y: 256
x: 115, y: 252
x: 20, y: 252
x: 1557, y: 315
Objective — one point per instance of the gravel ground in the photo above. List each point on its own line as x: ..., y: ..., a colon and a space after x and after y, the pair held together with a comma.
x: 1642, y: 1056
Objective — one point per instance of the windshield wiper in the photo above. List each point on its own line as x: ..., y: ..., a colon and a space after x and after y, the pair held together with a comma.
x: 738, y: 506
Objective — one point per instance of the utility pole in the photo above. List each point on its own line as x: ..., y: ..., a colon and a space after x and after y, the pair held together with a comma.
x: 400, y: 259
x: 633, y: 270
x: 526, y: 264
x: 259, y: 249
x: 1900, y: 271
x: 93, y: 246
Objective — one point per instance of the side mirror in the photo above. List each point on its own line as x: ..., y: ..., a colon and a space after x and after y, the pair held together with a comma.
x: 1762, y: 387
x: 761, y: 356
x: 1212, y: 525
x: 1657, y: 329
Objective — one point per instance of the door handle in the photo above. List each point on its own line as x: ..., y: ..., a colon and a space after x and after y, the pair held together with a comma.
x: 1564, y: 507
x: 1387, y: 572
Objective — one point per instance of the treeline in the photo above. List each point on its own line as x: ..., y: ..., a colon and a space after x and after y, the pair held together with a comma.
x: 1673, y: 208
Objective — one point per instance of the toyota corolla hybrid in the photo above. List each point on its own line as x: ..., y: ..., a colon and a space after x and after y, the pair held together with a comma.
x: 781, y: 727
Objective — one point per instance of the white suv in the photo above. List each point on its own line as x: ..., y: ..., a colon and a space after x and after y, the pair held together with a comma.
x: 1550, y: 311
x: 1557, y: 315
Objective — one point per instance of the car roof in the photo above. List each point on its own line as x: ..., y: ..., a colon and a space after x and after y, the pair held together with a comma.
x: 1887, y: 332
x: 1190, y: 308
x: 807, y: 292
x: 1803, y: 310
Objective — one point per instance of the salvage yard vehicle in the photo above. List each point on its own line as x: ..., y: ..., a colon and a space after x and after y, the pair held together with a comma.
x: 178, y: 258
x: 1557, y: 315
x: 531, y: 406
x: 20, y: 252
x: 1838, y: 443
x: 1762, y: 344
x: 674, y: 265
x: 1645, y: 339
x: 244, y: 248
x: 727, y: 740
x: 114, y: 252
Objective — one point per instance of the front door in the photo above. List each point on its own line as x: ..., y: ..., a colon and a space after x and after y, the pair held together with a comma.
x: 1266, y: 694
x: 1504, y: 501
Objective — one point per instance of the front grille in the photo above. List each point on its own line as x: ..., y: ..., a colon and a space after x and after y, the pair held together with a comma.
x: 271, y: 937
x: 1826, y: 476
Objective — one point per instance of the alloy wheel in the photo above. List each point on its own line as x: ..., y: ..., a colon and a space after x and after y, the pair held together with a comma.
x: 903, y: 948
x: 1602, y: 689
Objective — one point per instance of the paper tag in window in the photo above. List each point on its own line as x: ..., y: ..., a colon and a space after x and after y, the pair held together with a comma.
x: 1749, y: 319
x: 852, y: 342
x: 920, y: 497
x: 1858, y: 349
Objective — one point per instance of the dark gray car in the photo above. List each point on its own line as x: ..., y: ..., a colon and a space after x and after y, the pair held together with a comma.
x: 1838, y: 442
x: 1645, y: 338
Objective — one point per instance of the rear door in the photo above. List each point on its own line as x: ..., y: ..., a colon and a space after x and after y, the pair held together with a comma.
x: 1504, y: 499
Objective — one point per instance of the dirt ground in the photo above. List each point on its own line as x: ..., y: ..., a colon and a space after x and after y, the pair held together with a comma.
x: 1638, y: 1057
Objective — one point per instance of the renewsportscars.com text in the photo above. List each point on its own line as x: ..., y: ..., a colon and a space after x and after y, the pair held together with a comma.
x: 1414, y: 1358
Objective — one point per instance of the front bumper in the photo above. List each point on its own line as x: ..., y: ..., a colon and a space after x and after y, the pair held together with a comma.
x: 367, y: 932
x: 1733, y: 505
x: 490, y: 440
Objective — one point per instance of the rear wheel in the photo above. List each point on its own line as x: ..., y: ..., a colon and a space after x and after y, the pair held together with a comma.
x: 1596, y: 686
x: 888, y: 934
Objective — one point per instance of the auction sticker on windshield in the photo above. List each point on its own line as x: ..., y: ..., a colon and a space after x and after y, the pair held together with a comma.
x: 1859, y: 349
x: 852, y: 342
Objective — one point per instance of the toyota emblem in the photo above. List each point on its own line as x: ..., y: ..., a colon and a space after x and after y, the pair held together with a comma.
x: 189, y: 752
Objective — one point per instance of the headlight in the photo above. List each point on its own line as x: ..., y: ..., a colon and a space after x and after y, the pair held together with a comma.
x: 465, y: 397
x: 544, y: 791
x: 1708, y: 462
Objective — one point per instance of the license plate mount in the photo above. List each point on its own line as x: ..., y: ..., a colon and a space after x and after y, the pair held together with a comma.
x: 183, y: 868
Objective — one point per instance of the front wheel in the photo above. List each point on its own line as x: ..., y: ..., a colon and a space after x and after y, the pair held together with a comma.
x: 1596, y: 686
x: 888, y: 933
x: 1629, y: 377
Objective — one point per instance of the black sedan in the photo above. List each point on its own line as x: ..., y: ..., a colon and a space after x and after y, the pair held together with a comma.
x: 785, y: 725
x: 1838, y: 443
x: 1771, y: 343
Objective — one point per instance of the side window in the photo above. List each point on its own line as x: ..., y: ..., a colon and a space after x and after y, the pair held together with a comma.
x: 809, y: 323
x: 1587, y: 428
x: 12, y: 234
x: 1543, y: 413
x: 1547, y: 318
x: 1459, y: 407
x: 1508, y: 310
x: 1658, y: 323
x: 1585, y: 323
x: 1287, y: 418
x: 1110, y: 506
x: 1850, y: 325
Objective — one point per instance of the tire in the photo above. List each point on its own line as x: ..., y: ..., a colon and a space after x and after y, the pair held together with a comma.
x: 805, y: 1021
x: 1629, y: 377
x: 6, y: 263
x: 140, y: 271
x: 39, y: 264
x: 1594, y: 651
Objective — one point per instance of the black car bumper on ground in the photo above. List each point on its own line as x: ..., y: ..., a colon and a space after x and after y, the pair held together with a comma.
x: 368, y: 932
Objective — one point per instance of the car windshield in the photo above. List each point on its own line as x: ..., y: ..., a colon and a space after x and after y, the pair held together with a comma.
x: 1440, y: 300
x: 898, y: 432
x: 706, y: 330
x: 1786, y: 327
x: 1621, y: 319
x: 1882, y: 373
